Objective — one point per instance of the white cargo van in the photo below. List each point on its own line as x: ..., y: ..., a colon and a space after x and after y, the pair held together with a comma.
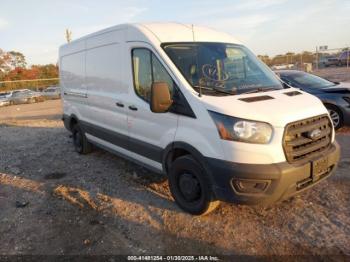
x: 197, y: 105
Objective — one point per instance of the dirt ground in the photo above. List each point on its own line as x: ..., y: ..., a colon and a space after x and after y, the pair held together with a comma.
x: 55, y: 201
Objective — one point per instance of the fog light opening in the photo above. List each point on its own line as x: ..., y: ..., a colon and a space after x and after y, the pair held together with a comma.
x: 249, y: 186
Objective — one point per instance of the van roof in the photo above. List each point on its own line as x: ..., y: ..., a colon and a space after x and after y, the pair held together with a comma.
x: 166, y: 32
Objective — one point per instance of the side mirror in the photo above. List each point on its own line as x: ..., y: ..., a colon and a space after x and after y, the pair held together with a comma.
x: 160, y: 97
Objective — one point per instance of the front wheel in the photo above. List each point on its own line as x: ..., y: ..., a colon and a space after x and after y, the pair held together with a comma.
x: 31, y: 100
x: 336, y: 116
x: 190, y: 186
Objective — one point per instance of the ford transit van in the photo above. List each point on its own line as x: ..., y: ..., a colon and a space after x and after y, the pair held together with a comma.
x: 198, y: 106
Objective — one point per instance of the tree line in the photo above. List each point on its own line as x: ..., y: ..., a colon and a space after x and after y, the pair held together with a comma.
x: 289, y: 58
x: 13, y: 67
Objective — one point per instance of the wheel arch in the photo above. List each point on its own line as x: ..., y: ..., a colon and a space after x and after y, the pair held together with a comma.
x: 70, y: 121
x: 334, y: 105
x: 328, y: 102
x: 339, y: 111
x: 178, y: 149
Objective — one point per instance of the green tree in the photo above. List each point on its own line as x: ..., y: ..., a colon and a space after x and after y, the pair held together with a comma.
x: 17, y: 59
x: 4, y: 62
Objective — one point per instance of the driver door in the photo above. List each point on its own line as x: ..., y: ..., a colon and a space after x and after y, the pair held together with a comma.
x: 149, y: 133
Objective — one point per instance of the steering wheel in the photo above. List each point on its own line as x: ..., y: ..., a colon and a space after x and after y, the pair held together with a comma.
x: 211, y: 73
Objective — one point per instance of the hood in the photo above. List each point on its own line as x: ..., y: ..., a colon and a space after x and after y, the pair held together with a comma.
x: 278, y: 107
x: 344, y: 84
x: 342, y: 87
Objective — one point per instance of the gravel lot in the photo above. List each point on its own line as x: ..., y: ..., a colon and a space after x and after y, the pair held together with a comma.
x: 54, y: 201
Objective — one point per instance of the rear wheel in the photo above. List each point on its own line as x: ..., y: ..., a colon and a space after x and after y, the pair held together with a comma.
x: 80, y: 142
x: 336, y: 116
x: 190, y: 186
x: 31, y: 100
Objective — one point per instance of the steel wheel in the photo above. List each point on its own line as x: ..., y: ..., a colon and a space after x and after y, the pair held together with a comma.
x: 336, y: 116
x: 191, y: 187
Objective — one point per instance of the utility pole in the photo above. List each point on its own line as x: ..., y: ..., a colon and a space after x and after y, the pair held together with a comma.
x: 68, y: 35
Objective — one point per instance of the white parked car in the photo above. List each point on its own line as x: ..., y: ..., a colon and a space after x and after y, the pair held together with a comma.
x: 25, y: 96
x: 5, y: 98
x: 53, y: 92
x: 198, y: 106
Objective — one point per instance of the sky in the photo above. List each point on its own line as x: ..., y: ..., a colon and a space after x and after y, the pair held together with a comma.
x: 36, y: 27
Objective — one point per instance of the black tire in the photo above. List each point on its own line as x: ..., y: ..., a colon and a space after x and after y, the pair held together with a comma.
x: 80, y: 142
x: 190, y: 186
x: 336, y: 116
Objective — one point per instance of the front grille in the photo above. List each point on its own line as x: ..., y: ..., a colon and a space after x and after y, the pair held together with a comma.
x: 297, y: 142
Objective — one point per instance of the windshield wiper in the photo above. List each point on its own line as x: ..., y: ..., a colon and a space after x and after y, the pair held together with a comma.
x: 260, y: 89
x: 219, y: 90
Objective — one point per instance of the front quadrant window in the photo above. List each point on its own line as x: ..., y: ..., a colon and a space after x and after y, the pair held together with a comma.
x: 142, y: 72
x: 147, y: 69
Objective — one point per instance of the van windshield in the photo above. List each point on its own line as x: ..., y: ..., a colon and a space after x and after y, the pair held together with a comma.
x: 228, y: 68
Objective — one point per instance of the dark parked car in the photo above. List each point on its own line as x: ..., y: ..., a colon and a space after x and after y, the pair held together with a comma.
x: 335, y: 96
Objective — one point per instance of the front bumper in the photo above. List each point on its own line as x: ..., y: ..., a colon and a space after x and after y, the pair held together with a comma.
x: 346, y: 115
x: 4, y: 103
x: 265, y: 184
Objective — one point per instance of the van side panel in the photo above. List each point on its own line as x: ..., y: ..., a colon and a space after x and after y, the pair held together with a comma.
x: 72, y: 75
x: 73, y: 72
x: 104, y: 62
x: 103, y: 39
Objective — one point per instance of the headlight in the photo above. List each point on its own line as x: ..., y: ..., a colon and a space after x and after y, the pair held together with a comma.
x: 237, y: 129
x: 347, y: 99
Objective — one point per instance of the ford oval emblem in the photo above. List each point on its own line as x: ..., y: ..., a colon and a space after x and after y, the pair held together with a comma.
x: 314, y: 134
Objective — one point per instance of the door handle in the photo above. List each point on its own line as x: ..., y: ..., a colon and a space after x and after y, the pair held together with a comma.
x: 134, y: 108
x: 119, y: 104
